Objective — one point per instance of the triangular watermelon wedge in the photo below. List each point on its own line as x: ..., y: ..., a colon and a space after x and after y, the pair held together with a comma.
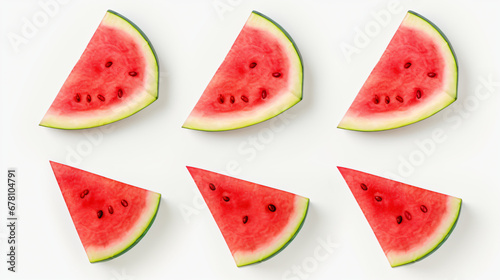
x: 261, y: 77
x: 115, y: 77
x: 416, y: 77
x: 409, y: 222
x: 109, y: 216
x: 257, y: 222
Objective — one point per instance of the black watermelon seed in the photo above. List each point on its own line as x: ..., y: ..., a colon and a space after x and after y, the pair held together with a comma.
x: 99, y: 214
x: 419, y: 94
x: 211, y: 186
x: 276, y: 74
x: 101, y: 97
x: 89, y: 98
x: 378, y: 198
x: 399, y: 219
x: 124, y: 203
x: 244, y: 98
x: 110, y: 209
x: 271, y: 207
x: 364, y: 187
x: 245, y: 219
x: 84, y: 193
x: 253, y: 64
x: 132, y: 73
x: 423, y: 208
x: 225, y: 198
x: 108, y: 64
x: 431, y: 74
x: 78, y: 97
x: 220, y: 98
x: 407, y: 215
x: 407, y: 65
x: 263, y: 94
x: 399, y: 99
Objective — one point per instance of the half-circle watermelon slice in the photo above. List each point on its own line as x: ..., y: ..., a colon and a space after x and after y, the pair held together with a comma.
x: 256, y: 221
x: 109, y: 216
x: 260, y: 78
x: 115, y: 77
x: 416, y: 77
x: 409, y: 222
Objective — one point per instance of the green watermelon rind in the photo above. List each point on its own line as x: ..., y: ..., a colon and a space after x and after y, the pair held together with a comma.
x: 132, y: 243
x: 127, y: 109
x: 365, y: 124
x: 437, y: 245
x: 293, y: 97
x: 287, y: 239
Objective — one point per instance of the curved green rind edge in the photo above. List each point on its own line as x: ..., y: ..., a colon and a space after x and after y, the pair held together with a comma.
x: 284, y: 245
x: 157, y: 78
x: 439, y: 244
x: 136, y: 241
x: 301, y: 82
x: 456, y: 69
x: 447, y: 41
x: 398, y: 126
x: 294, y: 46
x: 150, y: 46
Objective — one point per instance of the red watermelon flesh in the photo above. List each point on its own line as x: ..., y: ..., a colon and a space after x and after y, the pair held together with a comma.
x: 260, y: 77
x: 109, y: 216
x: 256, y: 221
x: 245, y: 79
x: 409, y: 222
x: 415, y: 78
x: 116, y: 76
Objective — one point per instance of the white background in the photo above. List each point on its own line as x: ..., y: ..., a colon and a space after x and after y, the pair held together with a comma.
x: 298, y: 152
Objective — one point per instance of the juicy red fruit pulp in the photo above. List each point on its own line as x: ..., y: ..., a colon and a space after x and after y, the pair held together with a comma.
x: 110, y: 69
x: 410, y: 70
x: 247, y: 214
x: 256, y: 71
x: 400, y: 221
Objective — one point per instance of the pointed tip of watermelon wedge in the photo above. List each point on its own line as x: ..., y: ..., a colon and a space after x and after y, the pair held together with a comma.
x: 409, y: 222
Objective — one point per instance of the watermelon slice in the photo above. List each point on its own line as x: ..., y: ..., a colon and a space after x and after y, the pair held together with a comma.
x: 409, y: 222
x: 260, y: 78
x: 109, y: 216
x: 416, y: 77
x: 116, y: 76
x: 256, y: 221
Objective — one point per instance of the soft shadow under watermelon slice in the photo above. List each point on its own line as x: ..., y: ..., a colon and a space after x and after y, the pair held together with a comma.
x: 109, y: 216
x: 409, y: 222
x: 416, y: 77
x: 260, y: 77
x: 116, y: 76
x: 257, y: 222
